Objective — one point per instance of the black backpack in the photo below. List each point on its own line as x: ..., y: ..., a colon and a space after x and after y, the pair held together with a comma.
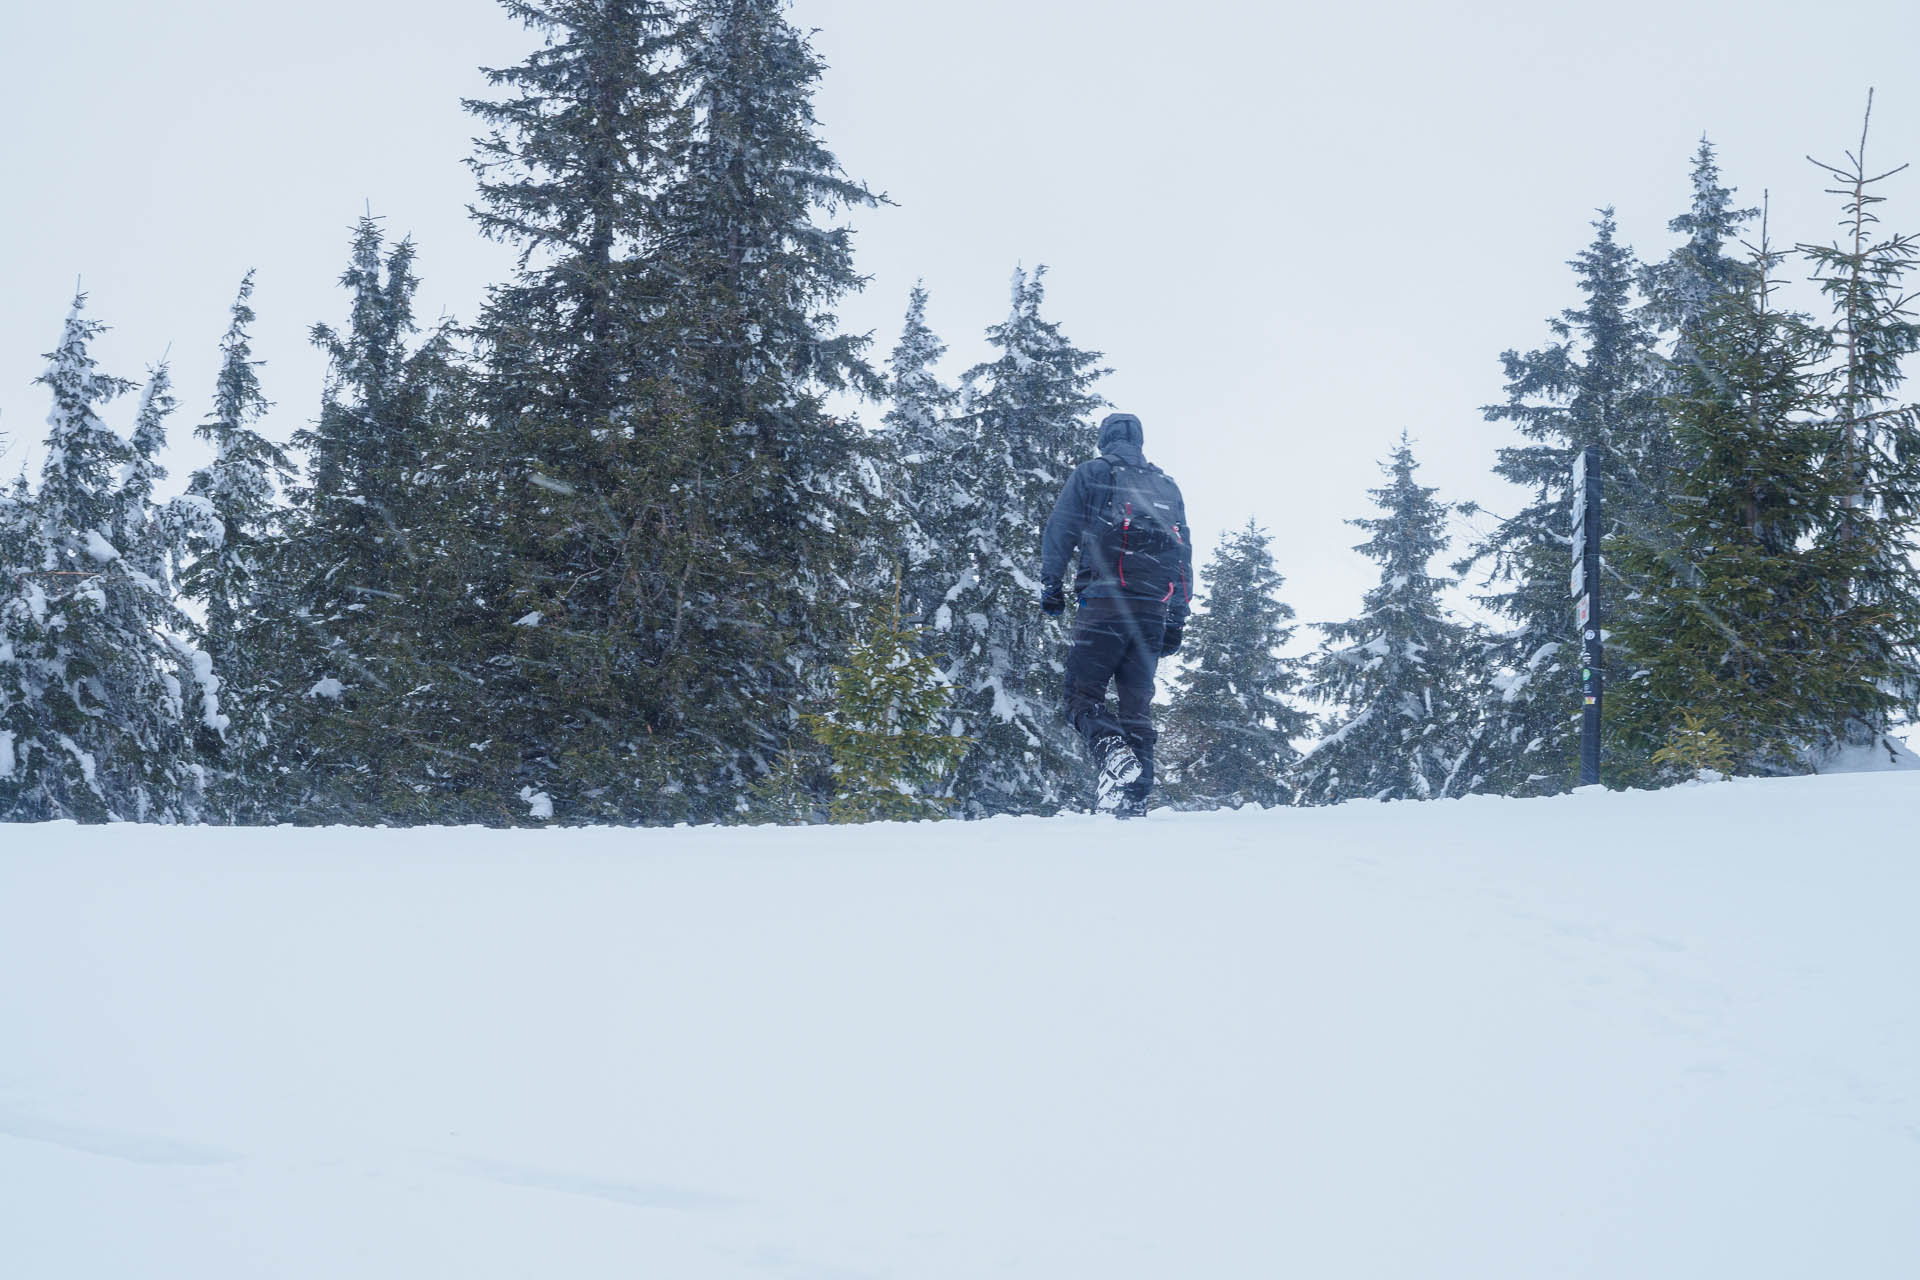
x: 1141, y: 538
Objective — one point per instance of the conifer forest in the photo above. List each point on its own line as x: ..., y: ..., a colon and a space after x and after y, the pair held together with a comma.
x: 613, y: 551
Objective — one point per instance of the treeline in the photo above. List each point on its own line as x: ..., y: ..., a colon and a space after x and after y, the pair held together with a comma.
x: 1763, y: 487
x: 606, y: 555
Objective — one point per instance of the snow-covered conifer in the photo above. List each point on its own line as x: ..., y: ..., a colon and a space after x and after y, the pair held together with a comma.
x: 1873, y: 436
x: 22, y: 618
x: 1024, y: 426
x: 1230, y: 730
x: 1737, y: 636
x: 103, y: 686
x: 51, y: 693
x: 229, y: 570
x: 676, y: 505
x: 239, y: 485
x: 360, y: 608
x: 588, y: 475
x: 141, y: 537
x: 691, y: 512
x: 80, y: 476
x: 920, y: 404
x: 349, y: 537
x: 923, y: 435
x: 1706, y: 268
x: 1597, y: 384
x: 796, y: 498
x: 152, y: 535
x: 1393, y: 673
x: 580, y: 145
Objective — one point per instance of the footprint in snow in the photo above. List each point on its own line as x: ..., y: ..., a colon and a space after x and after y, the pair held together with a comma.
x: 640, y: 1195
x: 137, y: 1148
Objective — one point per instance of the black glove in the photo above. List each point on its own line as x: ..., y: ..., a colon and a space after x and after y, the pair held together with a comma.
x: 1053, y: 601
x: 1170, y: 639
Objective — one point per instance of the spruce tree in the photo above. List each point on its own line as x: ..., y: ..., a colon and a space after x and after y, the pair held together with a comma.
x: 642, y: 689
x: 229, y: 572
x: 570, y: 173
x: 924, y: 435
x: 1230, y: 729
x: 689, y: 526
x: 794, y: 499
x: 77, y: 492
x: 921, y: 406
x: 140, y: 528
x: 1393, y: 673
x: 1873, y: 442
x: 361, y: 677
x: 1024, y: 427
x: 103, y: 685
x: 155, y: 538
x: 22, y: 621
x: 50, y: 687
x: 1683, y: 291
x: 1738, y: 633
x: 579, y: 613
x: 1597, y: 385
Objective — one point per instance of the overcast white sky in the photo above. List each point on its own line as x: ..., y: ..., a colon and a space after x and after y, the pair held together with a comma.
x: 1293, y: 232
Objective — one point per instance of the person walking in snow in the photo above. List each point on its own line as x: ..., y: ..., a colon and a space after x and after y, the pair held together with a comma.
x: 1126, y: 519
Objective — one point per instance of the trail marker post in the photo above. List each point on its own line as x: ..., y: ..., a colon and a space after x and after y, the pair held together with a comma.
x: 1584, y: 586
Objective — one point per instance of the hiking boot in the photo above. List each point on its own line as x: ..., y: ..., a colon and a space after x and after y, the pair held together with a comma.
x: 1118, y: 769
x: 1131, y: 808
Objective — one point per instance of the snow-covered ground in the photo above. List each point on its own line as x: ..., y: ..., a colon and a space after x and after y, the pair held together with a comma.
x: 1625, y: 1036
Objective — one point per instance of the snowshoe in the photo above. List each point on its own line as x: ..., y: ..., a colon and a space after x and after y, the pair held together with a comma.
x: 1118, y: 768
x: 1131, y: 808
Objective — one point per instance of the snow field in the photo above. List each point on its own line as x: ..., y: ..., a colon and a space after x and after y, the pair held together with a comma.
x: 1652, y: 1035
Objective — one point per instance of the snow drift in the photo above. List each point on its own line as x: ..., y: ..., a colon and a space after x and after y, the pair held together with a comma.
x: 1635, y: 1036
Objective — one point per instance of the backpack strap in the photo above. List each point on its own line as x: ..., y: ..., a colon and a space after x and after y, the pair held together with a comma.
x: 1113, y: 479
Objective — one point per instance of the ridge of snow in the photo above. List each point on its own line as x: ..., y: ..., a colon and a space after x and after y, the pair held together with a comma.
x: 1887, y: 755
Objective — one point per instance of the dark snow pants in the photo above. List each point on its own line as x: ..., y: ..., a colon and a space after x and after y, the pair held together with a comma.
x: 1116, y: 641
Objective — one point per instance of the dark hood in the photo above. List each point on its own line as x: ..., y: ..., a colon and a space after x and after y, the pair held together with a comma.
x: 1121, y: 433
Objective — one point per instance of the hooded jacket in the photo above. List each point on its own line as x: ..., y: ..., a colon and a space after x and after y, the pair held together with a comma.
x: 1075, y: 523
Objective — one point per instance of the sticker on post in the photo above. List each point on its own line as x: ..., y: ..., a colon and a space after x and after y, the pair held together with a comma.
x: 1584, y: 609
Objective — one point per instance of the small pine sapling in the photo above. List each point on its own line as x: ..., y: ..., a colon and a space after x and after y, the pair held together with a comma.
x: 884, y: 730
x: 1697, y: 749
